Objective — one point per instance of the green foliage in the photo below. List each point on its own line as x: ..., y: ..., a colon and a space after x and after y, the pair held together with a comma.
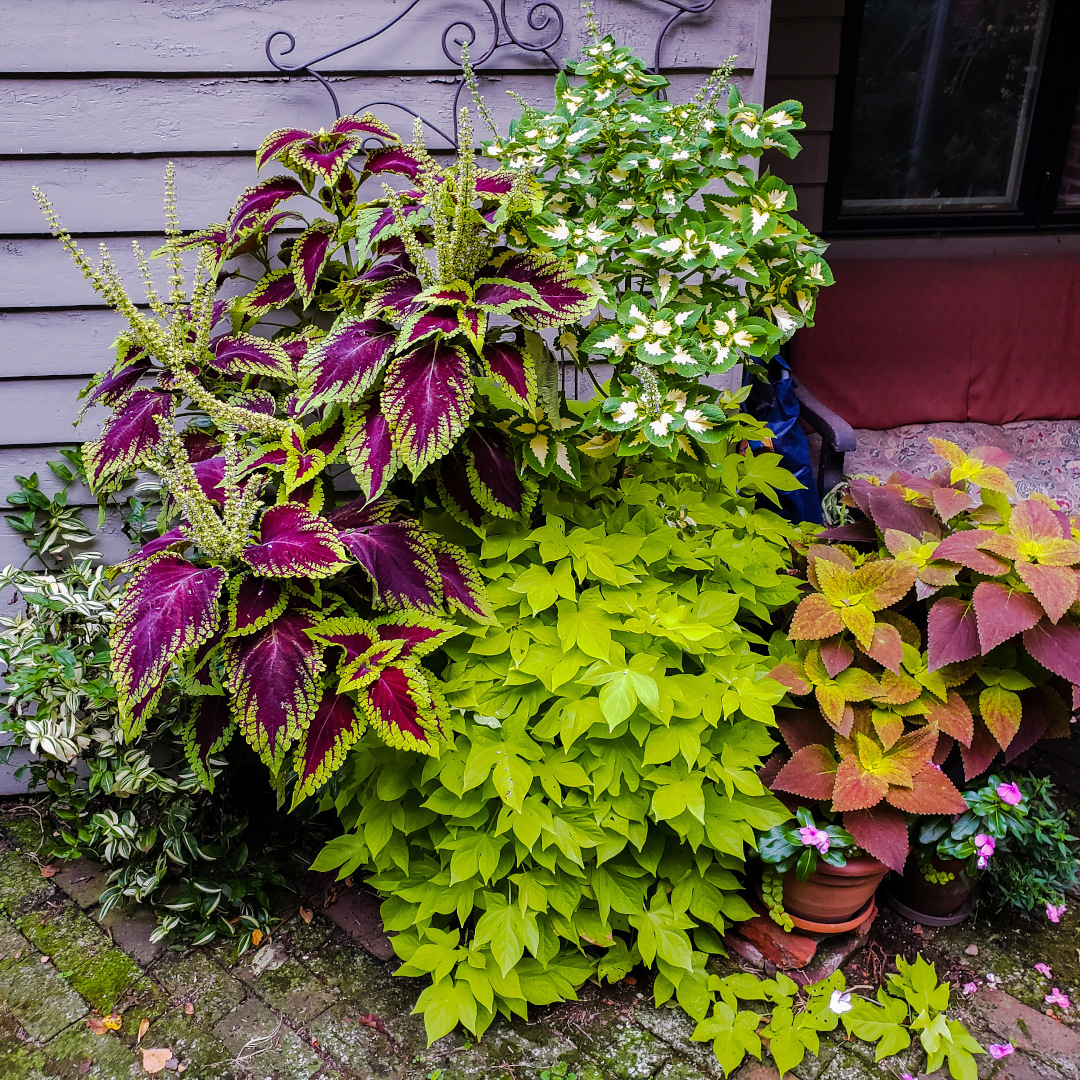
x: 914, y: 1002
x: 601, y: 794
x: 134, y: 806
x: 48, y: 526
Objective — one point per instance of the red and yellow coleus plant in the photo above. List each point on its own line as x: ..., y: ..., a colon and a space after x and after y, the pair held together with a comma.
x: 386, y: 339
x: 948, y: 619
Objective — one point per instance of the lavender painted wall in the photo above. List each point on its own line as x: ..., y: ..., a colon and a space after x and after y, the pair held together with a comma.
x: 97, y: 95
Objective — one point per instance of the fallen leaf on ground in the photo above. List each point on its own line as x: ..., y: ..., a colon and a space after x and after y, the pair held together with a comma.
x: 50, y: 871
x: 96, y: 1025
x: 153, y: 1061
x: 372, y: 1021
x: 113, y: 1021
x: 256, y: 937
x: 188, y: 1008
x: 43, y: 960
x: 306, y: 914
x: 144, y: 1026
x: 17, y: 955
x: 85, y: 1066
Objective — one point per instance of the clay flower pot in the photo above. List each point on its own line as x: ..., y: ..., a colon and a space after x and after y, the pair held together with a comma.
x: 926, y: 900
x: 833, y: 895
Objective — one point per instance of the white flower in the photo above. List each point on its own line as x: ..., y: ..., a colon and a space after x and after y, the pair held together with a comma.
x: 840, y: 1002
x: 626, y: 412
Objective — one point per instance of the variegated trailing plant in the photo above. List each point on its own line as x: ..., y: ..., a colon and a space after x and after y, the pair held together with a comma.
x: 947, y: 620
x: 394, y: 339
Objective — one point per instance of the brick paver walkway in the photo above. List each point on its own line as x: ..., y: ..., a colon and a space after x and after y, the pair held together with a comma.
x: 310, y: 1004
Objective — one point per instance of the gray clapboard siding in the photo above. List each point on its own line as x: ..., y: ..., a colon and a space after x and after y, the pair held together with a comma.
x: 109, y: 542
x: 73, y: 342
x: 42, y: 411
x: 26, y: 460
x: 61, y: 36
x: 154, y: 115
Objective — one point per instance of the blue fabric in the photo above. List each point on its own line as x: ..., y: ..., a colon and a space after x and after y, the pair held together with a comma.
x: 776, y: 404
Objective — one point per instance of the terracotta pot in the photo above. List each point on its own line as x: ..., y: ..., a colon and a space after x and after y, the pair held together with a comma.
x: 834, y: 894
x: 927, y: 898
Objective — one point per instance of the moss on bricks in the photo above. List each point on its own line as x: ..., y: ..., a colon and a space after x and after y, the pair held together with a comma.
x: 104, y: 975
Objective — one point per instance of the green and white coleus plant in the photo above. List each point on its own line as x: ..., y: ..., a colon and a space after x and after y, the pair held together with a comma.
x: 698, y: 261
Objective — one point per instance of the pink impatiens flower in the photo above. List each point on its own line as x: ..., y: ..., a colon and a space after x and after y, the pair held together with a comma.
x: 984, y: 848
x: 1056, y: 997
x: 817, y: 838
x: 1000, y: 1050
x: 1010, y: 794
x: 1054, y: 912
x: 1043, y: 969
x: 969, y: 988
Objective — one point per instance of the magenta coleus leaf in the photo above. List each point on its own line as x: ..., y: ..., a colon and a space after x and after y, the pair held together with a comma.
x: 123, y: 377
x: 294, y: 542
x: 418, y: 635
x: 500, y: 294
x: 952, y: 633
x: 254, y: 602
x: 563, y: 297
x: 129, y: 434
x: 257, y: 203
x: 440, y: 320
x: 209, y: 731
x: 277, y: 142
x: 326, y: 154
x: 494, y: 183
x: 399, y: 298
x: 345, y: 364
x: 359, y: 513
x: 201, y: 668
x: 296, y: 348
x: 463, y: 588
x: 455, y: 491
x: 175, y: 538
x: 400, y: 560
x: 309, y: 256
x: 400, y: 708
x: 1056, y: 646
x: 246, y: 354
x: 493, y: 476
x: 370, y: 452
x: 512, y: 370
x: 961, y: 548
x: 167, y: 607
x: 362, y: 126
x: 394, y: 160
x: 1003, y: 613
x: 427, y: 397
x: 337, y: 724
x: 273, y: 290
x: 273, y: 676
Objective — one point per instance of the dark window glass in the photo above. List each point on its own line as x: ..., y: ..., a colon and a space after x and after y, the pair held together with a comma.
x: 1069, y: 194
x: 943, y: 97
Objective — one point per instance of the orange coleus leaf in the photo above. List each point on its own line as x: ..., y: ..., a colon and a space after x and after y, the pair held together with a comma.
x: 1055, y: 587
x: 886, y: 647
x: 950, y: 501
x: 953, y: 717
x: 822, y: 552
x: 836, y: 655
x: 931, y: 792
x: 858, y: 685
x: 860, y: 621
x: 873, y: 758
x: 882, y: 832
x: 974, y: 467
x: 856, y: 788
x: 1033, y: 522
x: 790, y: 674
x: 883, y: 582
x: 898, y: 688
x: 1001, y: 712
x: 1001, y: 613
x: 831, y: 701
x: 888, y: 725
x: 810, y: 773
x: 965, y: 548
x: 815, y: 618
x: 916, y: 749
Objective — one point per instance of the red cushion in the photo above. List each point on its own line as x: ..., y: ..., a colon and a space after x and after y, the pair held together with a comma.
x: 905, y: 341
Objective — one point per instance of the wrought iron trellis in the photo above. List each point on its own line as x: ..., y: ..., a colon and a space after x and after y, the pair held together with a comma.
x: 542, y: 16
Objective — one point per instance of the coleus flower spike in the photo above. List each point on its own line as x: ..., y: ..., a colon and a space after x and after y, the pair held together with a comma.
x: 323, y: 152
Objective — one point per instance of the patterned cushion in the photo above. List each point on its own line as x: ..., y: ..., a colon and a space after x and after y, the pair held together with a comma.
x: 1045, y: 453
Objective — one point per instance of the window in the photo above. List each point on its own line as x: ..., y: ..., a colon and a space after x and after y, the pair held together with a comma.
x: 956, y: 115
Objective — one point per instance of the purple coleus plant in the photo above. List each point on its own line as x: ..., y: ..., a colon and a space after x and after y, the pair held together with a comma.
x: 338, y: 415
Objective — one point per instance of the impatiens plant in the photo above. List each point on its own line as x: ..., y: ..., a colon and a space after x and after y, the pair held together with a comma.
x: 692, y: 281
x: 393, y: 339
x: 948, y: 618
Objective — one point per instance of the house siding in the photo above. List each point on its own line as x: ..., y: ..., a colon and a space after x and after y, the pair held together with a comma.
x: 97, y: 95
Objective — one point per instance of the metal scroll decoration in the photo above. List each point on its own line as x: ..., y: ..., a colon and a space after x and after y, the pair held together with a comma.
x: 543, y: 18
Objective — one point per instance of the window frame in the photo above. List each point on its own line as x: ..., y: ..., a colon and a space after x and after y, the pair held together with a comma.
x: 1055, y: 106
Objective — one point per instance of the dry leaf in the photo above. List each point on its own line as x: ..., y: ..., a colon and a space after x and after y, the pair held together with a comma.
x: 188, y: 1008
x: 113, y: 1021
x: 96, y: 1025
x: 85, y: 1066
x: 17, y: 955
x: 44, y: 960
x: 50, y: 871
x: 306, y: 914
x: 372, y: 1021
x: 144, y: 1026
x: 256, y: 937
x: 153, y: 1061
